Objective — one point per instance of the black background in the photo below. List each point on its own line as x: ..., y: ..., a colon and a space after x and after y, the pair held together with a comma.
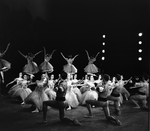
x: 71, y: 26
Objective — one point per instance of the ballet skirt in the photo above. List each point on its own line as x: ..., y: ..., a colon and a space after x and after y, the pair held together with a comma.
x: 37, y: 96
x: 22, y: 91
x: 4, y: 65
x: 31, y: 67
x: 70, y: 68
x: 46, y: 66
x: 91, y: 68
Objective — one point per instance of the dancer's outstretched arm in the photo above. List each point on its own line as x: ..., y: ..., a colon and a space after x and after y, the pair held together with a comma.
x: 6, y: 49
x: 52, y: 53
x: 64, y: 57
x: 87, y: 54
x: 37, y: 53
x: 11, y: 82
x: 97, y: 55
x: 44, y: 51
x: 74, y: 57
x: 22, y: 54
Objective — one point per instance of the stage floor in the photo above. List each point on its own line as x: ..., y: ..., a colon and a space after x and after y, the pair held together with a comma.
x: 17, y: 117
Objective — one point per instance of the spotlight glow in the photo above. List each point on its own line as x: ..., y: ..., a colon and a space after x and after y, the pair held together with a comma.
x: 103, y: 58
x: 140, y: 58
x: 104, y: 36
x: 103, y: 51
x: 103, y: 43
x: 140, y: 42
x: 140, y: 34
x: 140, y: 50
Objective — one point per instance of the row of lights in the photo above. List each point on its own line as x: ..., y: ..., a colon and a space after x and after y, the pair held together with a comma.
x: 103, y: 51
x: 139, y: 50
x: 140, y: 43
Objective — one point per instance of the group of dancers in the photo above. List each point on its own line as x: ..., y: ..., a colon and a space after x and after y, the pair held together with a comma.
x: 66, y: 93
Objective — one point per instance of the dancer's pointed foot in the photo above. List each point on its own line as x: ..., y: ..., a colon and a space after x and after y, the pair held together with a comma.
x: 88, y: 116
x: 36, y: 110
x: 76, y: 122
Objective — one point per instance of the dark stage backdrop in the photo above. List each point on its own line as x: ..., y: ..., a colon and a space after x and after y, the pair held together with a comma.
x: 71, y: 26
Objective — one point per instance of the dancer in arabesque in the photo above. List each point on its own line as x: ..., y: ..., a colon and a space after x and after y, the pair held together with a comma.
x: 4, y: 66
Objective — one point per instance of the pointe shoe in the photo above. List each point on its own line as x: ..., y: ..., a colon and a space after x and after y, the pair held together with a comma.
x: 88, y: 116
x: 76, y: 122
x: 36, y: 110
x: 69, y: 108
x: 23, y: 103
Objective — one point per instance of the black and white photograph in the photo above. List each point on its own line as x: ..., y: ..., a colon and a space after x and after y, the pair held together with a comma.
x: 74, y: 65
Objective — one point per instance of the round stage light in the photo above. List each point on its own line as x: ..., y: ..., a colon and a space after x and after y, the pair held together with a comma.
x: 103, y: 43
x: 104, y: 36
x: 140, y: 34
x: 140, y: 42
x: 140, y: 50
x: 103, y: 58
x: 140, y: 58
x: 103, y: 51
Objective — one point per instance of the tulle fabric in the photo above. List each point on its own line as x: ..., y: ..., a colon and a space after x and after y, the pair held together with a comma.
x: 37, y: 98
x: 89, y: 95
x: 4, y: 65
x: 31, y: 68
x: 46, y: 67
x: 91, y: 68
x: 71, y: 98
x: 70, y: 68
x: 22, y: 93
x: 50, y: 93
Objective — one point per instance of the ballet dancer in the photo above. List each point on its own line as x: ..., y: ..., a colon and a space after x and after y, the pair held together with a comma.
x: 45, y: 66
x: 4, y: 66
x: 31, y: 67
x: 91, y: 68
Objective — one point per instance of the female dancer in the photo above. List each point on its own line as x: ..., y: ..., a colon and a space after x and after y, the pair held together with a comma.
x: 116, y: 93
x: 69, y: 68
x: 31, y: 67
x: 45, y: 66
x: 17, y: 85
x: 76, y: 89
x: 37, y: 96
x: 102, y: 101
x: 71, y: 97
x: 4, y: 66
x: 91, y: 68
x: 60, y: 104
x: 90, y: 93
x: 50, y: 89
x: 22, y: 91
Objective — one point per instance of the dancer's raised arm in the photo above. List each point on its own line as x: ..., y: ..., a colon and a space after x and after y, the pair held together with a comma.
x: 37, y: 53
x: 87, y: 54
x: 97, y: 55
x: 6, y: 49
x: 52, y: 53
x: 22, y: 54
x: 74, y: 57
x: 64, y: 56
x: 44, y: 51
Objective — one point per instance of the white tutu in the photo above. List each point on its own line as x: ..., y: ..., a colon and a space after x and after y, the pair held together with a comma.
x: 77, y: 91
x: 71, y: 99
x: 50, y: 93
x: 89, y: 95
x: 37, y: 99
